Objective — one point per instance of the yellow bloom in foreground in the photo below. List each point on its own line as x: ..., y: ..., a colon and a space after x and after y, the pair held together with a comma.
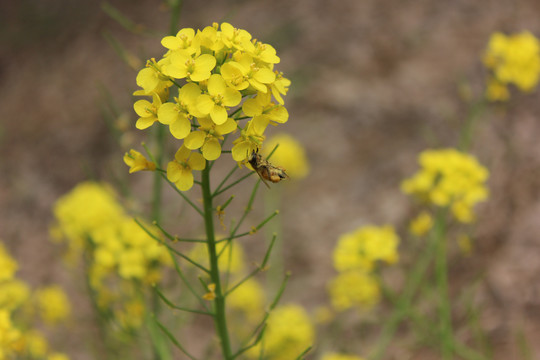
x: 353, y: 288
x: 250, y: 140
x: 514, y: 59
x: 290, y: 154
x: 8, y: 266
x: 180, y: 170
x: 362, y: 248
x: 147, y: 111
x: 335, y: 356
x: 219, y: 98
x: 138, y: 162
x: 207, y: 137
x: 451, y: 178
x: 53, y: 304
x: 289, y: 332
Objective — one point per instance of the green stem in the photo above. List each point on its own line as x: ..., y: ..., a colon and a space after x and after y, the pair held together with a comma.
x: 476, y: 109
x: 157, y: 187
x: 404, y: 301
x: 441, y: 278
x: 219, y: 318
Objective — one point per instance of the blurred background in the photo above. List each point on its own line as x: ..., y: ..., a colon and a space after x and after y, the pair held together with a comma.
x: 374, y: 82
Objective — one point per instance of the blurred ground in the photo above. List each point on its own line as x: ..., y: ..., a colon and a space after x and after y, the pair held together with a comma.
x: 374, y: 83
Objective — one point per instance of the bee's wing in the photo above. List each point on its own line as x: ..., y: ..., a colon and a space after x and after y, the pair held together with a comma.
x: 262, y: 179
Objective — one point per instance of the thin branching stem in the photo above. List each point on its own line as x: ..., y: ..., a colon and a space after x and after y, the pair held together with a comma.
x: 171, y: 248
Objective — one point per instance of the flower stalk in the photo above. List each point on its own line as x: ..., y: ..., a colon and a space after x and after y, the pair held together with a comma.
x: 219, y: 301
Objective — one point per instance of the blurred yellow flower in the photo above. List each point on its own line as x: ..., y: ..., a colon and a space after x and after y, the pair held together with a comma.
x: 8, y: 266
x: 289, y: 332
x: 451, y: 178
x: 290, y: 154
x: 9, y: 335
x: 513, y: 59
x: 420, y: 225
x: 362, y: 248
x: 248, y: 298
x: 13, y: 294
x: 354, y: 288
x: 231, y: 259
x: 53, y: 304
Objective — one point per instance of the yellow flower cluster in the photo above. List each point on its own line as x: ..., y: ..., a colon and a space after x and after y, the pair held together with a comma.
x: 221, y: 66
x: 289, y: 332
x: 90, y: 219
x: 290, y: 154
x: 17, y: 305
x: 355, y: 257
x: 449, y: 178
x: 513, y: 59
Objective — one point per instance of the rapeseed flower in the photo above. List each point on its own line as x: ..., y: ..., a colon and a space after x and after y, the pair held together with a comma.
x: 420, y: 225
x: 449, y: 178
x: 219, y: 98
x: 178, y: 115
x: 354, y: 288
x: 249, y: 299
x: 208, y: 136
x: 147, y: 111
x: 362, y: 248
x: 513, y: 59
x: 231, y: 258
x: 53, y: 304
x: 138, y: 162
x: 222, y: 68
x: 179, y: 171
x: 120, y: 255
x: 8, y: 266
x: 289, y: 332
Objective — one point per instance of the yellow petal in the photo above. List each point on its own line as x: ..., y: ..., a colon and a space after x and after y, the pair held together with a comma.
x: 196, y: 161
x: 251, y: 107
x: 142, y: 107
x: 218, y: 114
x: 240, y: 151
x: 231, y: 97
x: 173, y: 171
x: 145, y: 122
x: 216, y: 85
x: 185, y: 181
x: 211, y: 149
x: 181, y: 127
x: 189, y: 93
x: 167, y: 113
x: 265, y: 76
x: 227, y: 127
x: 182, y: 154
x: 205, y: 104
x: 171, y: 42
x: 194, y: 140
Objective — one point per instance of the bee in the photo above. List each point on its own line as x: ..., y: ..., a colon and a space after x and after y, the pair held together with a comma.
x: 265, y: 170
